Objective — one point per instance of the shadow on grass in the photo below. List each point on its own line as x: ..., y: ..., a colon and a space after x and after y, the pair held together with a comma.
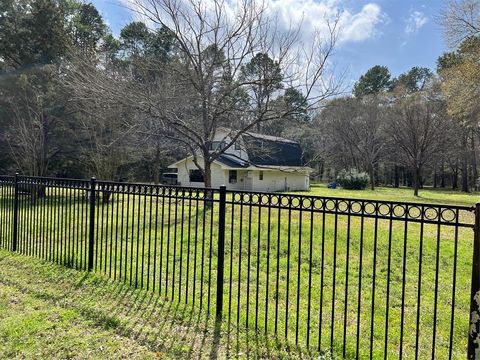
x: 169, y: 328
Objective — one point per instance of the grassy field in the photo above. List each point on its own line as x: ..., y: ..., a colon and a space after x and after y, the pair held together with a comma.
x: 426, y: 195
x: 169, y: 246
x: 50, y: 312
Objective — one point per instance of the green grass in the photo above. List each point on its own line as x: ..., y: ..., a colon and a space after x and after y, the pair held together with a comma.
x: 50, y: 312
x: 426, y: 195
x: 148, y: 242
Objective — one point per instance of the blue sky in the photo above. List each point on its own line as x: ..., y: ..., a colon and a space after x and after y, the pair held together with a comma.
x: 396, y: 33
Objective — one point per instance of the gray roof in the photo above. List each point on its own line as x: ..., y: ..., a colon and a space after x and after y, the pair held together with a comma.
x: 232, y: 161
x: 269, y: 137
x: 265, y: 150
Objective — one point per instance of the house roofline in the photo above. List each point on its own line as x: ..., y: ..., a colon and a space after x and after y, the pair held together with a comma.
x: 258, y: 135
x: 248, y: 168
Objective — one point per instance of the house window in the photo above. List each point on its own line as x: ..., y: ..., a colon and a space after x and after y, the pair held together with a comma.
x: 260, y: 175
x: 214, y: 145
x: 237, y: 146
x: 232, y: 176
x: 196, y: 175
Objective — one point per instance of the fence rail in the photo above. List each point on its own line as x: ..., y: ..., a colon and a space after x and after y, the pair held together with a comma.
x: 360, y: 278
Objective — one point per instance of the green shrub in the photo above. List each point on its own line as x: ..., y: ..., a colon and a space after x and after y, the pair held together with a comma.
x: 353, y: 180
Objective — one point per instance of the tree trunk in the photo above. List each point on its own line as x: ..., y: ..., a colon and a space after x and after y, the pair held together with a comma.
x: 376, y: 175
x: 207, y: 181
x: 442, y: 181
x: 416, y: 180
x: 321, y: 170
x: 455, y: 178
x: 474, y: 163
x: 106, y: 196
x: 371, y: 173
x: 465, y: 168
x: 464, y: 176
x: 435, y: 178
x: 207, y: 174
x: 396, y: 177
x: 156, y: 165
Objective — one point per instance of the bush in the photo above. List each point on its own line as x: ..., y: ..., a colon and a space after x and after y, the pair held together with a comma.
x: 353, y: 180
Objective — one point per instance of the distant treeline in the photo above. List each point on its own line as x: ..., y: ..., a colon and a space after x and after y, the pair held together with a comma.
x: 77, y: 101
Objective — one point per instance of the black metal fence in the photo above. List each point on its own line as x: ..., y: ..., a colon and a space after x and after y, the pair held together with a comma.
x: 360, y: 278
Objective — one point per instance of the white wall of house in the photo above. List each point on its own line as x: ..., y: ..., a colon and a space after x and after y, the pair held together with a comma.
x: 273, y: 180
x: 276, y: 180
x: 184, y: 167
x: 238, y: 149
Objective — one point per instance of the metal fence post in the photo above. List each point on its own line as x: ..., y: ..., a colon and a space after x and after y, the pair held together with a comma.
x: 91, y: 232
x: 221, y: 252
x: 15, y: 215
x: 474, y: 331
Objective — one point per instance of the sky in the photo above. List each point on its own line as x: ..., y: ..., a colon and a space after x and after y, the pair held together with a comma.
x: 399, y: 34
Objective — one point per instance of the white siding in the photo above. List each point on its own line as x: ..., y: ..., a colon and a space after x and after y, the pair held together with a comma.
x: 218, y: 174
x: 240, y: 152
x: 276, y: 180
x: 273, y: 180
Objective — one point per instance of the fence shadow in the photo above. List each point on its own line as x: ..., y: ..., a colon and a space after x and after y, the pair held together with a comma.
x: 166, y: 327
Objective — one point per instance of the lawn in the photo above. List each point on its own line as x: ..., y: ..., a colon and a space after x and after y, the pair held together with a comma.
x: 300, y: 275
x: 426, y: 195
x: 52, y: 312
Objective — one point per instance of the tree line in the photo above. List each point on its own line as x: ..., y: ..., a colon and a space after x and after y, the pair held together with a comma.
x: 420, y: 128
x: 76, y: 101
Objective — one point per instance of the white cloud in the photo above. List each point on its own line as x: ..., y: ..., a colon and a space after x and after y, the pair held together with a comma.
x: 314, y: 15
x: 362, y: 25
x: 415, y: 21
x: 354, y: 27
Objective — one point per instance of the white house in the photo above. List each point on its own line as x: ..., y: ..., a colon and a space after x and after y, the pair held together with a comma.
x: 256, y: 162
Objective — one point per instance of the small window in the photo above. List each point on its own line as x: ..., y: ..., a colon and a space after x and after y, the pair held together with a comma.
x: 237, y: 146
x: 196, y: 175
x: 215, y: 145
x: 232, y: 176
x: 260, y: 175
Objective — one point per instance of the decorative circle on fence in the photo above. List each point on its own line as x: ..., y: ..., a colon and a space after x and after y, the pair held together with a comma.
x: 330, y: 205
x: 295, y: 202
x: 274, y: 200
x: 342, y: 206
x: 370, y: 208
x: 265, y: 199
x: 307, y: 203
x: 318, y: 204
x: 430, y: 213
x: 448, y: 215
x: 414, y: 212
x: 384, y: 209
x: 399, y: 210
x: 356, y: 207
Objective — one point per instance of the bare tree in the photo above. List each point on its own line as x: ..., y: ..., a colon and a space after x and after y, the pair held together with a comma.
x: 460, y: 19
x: 355, y: 130
x: 107, y: 143
x: 416, y: 125
x: 34, y: 119
x: 202, y: 89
